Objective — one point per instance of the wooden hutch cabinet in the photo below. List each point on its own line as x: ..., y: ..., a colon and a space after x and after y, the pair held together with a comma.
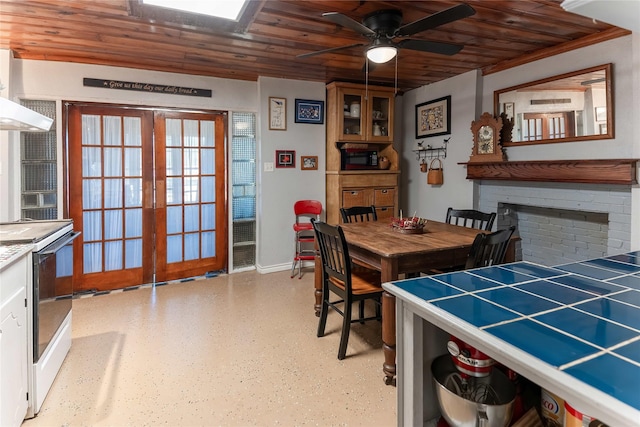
x: 360, y: 118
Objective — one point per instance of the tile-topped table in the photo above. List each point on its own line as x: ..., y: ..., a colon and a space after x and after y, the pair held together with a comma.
x: 573, y: 329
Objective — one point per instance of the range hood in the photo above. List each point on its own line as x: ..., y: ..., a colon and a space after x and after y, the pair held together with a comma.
x: 14, y: 116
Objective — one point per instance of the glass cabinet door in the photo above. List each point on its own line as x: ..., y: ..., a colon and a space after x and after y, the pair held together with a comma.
x: 352, y: 108
x: 379, y: 117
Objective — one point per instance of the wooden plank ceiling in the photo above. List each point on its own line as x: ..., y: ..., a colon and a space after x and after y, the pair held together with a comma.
x: 271, y: 33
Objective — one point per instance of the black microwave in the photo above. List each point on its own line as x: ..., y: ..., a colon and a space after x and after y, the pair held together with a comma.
x: 354, y: 158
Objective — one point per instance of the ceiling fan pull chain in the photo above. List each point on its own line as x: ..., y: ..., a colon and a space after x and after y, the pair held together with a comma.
x: 366, y: 79
x: 396, y: 84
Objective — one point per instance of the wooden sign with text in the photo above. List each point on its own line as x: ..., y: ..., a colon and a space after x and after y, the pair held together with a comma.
x: 147, y: 87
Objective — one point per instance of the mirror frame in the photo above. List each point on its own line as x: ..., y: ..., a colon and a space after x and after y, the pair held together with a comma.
x: 607, y: 68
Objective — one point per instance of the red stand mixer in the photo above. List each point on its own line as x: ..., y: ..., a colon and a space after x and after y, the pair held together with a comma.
x: 469, y: 360
x: 472, y: 380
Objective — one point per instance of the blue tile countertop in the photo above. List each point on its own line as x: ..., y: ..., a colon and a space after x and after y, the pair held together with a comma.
x: 573, y: 328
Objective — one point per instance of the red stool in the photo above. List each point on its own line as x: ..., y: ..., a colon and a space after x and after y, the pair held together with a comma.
x: 304, y: 234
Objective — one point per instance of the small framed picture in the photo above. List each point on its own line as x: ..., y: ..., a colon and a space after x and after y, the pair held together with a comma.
x: 433, y: 118
x: 308, y: 111
x: 309, y: 163
x: 285, y: 159
x: 603, y: 128
x: 508, y: 110
x: 601, y: 114
x: 277, y: 113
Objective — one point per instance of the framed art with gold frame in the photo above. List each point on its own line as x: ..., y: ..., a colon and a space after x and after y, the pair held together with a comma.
x: 309, y: 163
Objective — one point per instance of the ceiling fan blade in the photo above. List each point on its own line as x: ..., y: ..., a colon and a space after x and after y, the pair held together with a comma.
x: 333, y: 49
x: 345, y: 21
x: 440, y: 18
x: 432, y: 47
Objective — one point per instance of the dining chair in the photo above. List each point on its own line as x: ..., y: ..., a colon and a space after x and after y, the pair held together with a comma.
x: 341, y: 282
x: 304, y: 210
x: 358, y: 214
x: 471, y: 218
x: 489, y: 248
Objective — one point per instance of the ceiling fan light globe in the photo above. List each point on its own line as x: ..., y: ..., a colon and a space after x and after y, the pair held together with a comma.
x: 381, y: 54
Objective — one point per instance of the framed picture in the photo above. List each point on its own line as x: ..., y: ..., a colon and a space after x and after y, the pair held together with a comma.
x: 277, y: 113
x: 601, y: 114
x: 433, y: 118
x: 508, y: 110
x: 308, y: 111
x: 603, y: 128
x: 309, y: 163
x: 285, y: 159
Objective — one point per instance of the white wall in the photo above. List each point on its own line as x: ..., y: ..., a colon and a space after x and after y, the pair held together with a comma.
x: 281, y: 188
x: 429, y: 201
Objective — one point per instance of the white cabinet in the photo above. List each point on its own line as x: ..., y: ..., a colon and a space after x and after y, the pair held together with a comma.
x: 14, y: 359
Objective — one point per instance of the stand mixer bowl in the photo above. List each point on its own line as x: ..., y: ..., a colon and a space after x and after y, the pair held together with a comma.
x: 496, y: 390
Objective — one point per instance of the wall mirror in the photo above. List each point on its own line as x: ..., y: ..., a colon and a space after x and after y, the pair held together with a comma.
x: 574, y: 106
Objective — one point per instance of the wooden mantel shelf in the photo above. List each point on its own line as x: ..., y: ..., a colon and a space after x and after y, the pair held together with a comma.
x: 601, y: 171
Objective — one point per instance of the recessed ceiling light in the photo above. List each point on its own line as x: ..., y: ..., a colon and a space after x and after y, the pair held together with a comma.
x: 228, y: 9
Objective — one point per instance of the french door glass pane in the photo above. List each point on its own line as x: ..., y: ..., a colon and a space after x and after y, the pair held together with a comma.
x: 191, y: 133
x: 208, y: 189
x: 174, y: 133
x: 91, y: 162
x: 90, y: 130
x: 133, y: 162
x: 91, y: 194
x: 208, y: 161
x: 92, y: 229
x: 133, y: 131
x: 191, y: 218
x: 174, y: 219
x: 112, y: 130
x: 191, y: 190
x: 207, y: 133
x: 208, y: 217
x: 208, y: 244
x: 112, y: 193
x: 113, y: 255
x: 112, y: 224
x: 174, y: 191
x: 92, y: 257
x: 133, y: 223
x: 133, y: 192
x: 174, y: 248
x: 133, y: 253
x: 112, y: 162
x: 191, y: 246
x: 174, y: 161
x: 191, y: 161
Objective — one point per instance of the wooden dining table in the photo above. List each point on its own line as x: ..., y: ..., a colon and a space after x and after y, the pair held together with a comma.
x: 393, y: 253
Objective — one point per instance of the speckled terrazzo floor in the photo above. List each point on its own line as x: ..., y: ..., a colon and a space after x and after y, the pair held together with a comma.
x: 234, y: 350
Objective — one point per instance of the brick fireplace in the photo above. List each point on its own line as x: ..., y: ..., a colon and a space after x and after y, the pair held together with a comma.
x: 561, y: 222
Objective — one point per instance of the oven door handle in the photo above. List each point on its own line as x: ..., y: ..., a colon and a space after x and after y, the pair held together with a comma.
x: 53, y: 248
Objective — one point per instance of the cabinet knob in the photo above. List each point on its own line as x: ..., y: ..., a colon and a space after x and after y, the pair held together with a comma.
x: 384, y: 191
x: 353, y: 193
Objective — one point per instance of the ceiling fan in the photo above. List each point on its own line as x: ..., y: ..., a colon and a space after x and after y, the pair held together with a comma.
x: 382, y: 26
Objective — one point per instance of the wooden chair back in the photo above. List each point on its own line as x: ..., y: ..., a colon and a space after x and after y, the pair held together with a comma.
x: 358, y: 214
x: 489, y: 249
x: 471, y: 218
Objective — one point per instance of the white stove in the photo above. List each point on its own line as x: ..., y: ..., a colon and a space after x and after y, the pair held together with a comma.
x: 48, y: 299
